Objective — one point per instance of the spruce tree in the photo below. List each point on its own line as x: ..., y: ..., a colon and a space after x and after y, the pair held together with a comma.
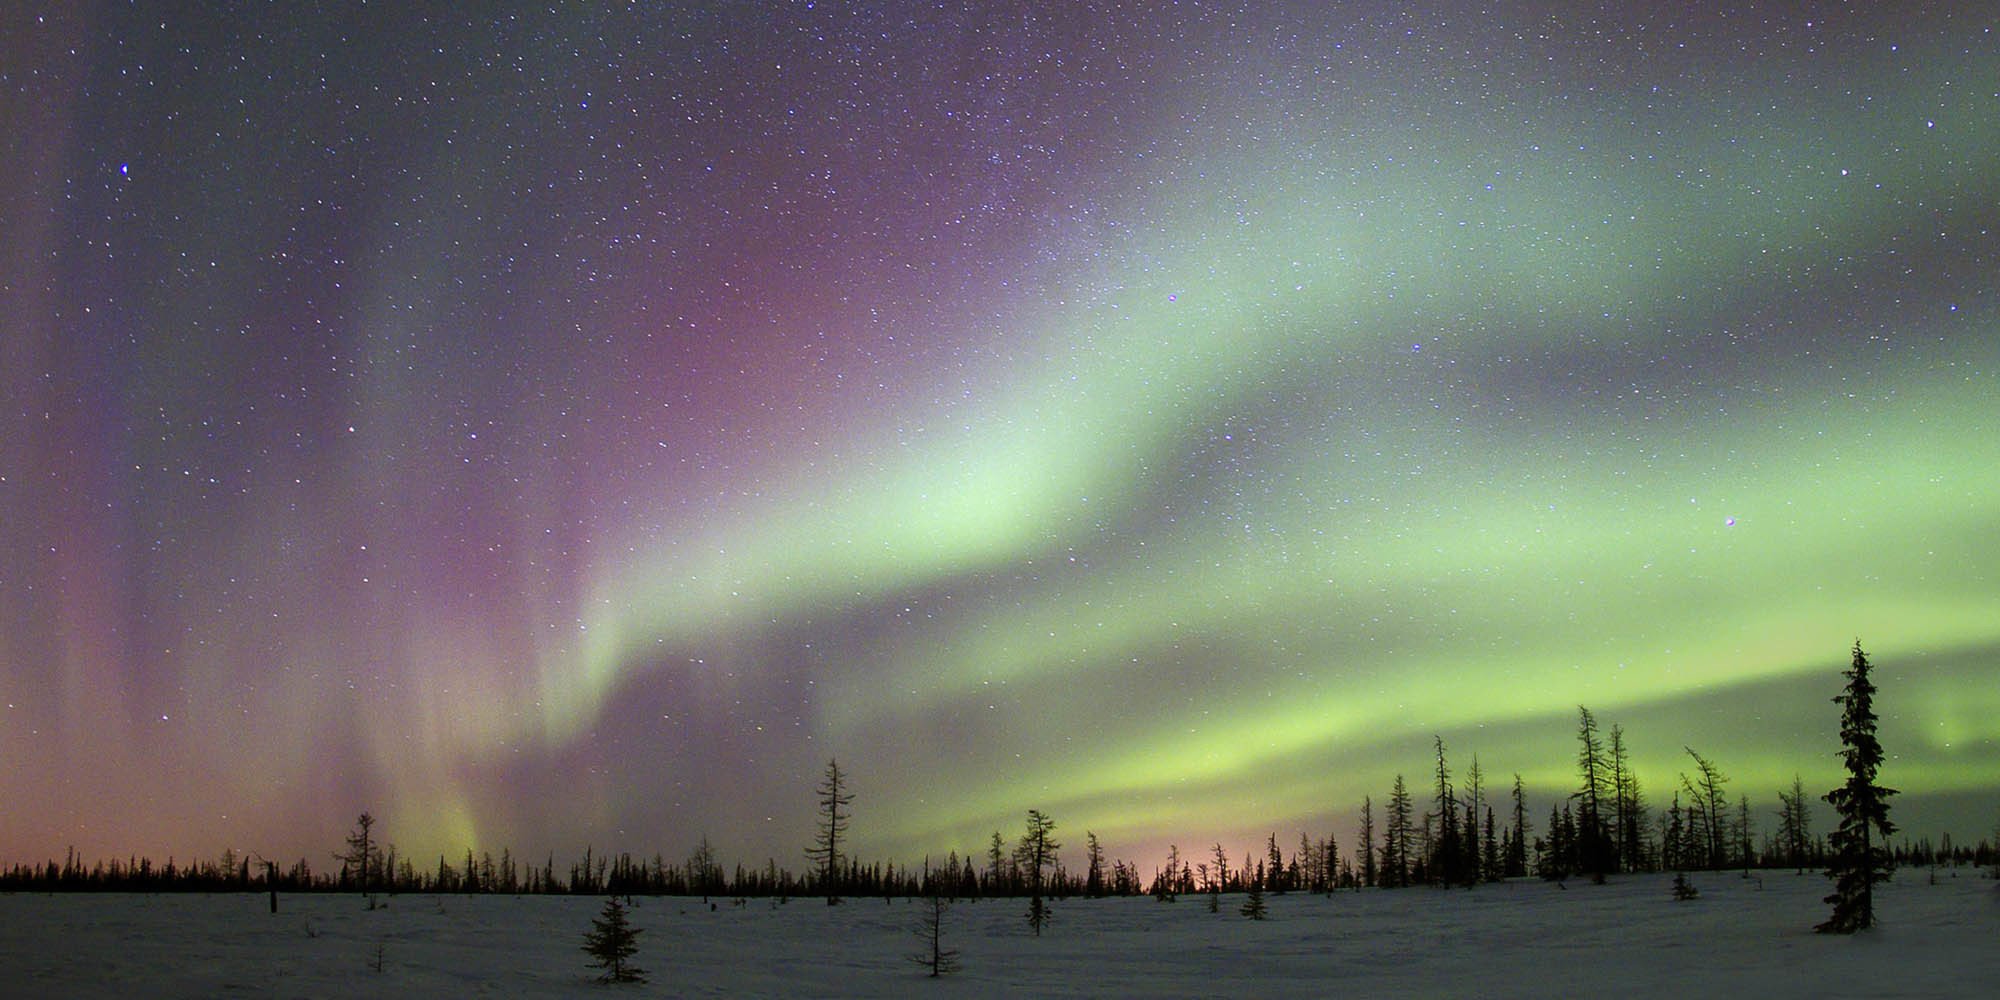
x: 1167, y: 885
x: 1705, y: 810
x: 1253, y: 902
x: 1274, y: 874
x: 1468, y: 865
x: 1517, y: 845
x: 1630, y: 805
x: 1477, y: 846
x: 1794, y: 824
x: 1489, y: 857
x: 1093, y: 879
x: 1683, y: 889
x: 996, y: 860
x: 1035, y: 853
x: 1312, y: 864
x: 825, y: 851
x: 1396, y: 839
x: 1673, y: 837
x: 941, y: 961
x: 611, y: 941
x: 1367, y: 852
x: 363, y: 855
x: 1446, y: 852
x: 1595, y: 852
x: 1859, y: 860
x: 1746, y: 833
x: 1555, y: 853
x: 1332, y: 865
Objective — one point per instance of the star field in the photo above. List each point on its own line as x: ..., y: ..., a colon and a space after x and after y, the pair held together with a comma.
x: 569, y: 428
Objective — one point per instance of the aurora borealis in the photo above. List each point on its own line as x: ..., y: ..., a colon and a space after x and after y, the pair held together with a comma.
x: 573, y: 428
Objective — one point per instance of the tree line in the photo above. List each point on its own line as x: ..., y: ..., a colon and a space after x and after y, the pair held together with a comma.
x: 955, y: 877
x: 1460, y: 833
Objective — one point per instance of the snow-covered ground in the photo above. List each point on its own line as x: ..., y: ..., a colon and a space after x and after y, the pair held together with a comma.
x: 1526, y: 939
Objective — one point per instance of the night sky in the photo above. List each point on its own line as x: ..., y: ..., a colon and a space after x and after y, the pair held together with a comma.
x: 551, y: 430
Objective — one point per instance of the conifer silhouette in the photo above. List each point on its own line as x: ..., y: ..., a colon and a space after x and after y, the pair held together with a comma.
x: 939, y: 960
x: 825, y: 851
x: 1253, y: 902
x: 611, y: 941
x: 1859, y: 860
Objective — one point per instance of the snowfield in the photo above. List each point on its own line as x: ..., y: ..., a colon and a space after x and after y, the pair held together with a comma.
x: 1742, y: 937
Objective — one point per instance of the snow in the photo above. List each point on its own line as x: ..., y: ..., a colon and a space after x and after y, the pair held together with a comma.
x: 1526, y: 938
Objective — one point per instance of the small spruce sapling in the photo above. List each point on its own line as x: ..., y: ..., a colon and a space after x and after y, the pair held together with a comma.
x: 1683, y: 889
x: 611, y: 942
x: 1253, y: 903
x: 939, y: 960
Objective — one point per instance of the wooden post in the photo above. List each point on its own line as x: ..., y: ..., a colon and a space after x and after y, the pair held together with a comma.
x: 271, y: 880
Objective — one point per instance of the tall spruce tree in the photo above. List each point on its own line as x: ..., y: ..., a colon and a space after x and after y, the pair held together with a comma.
x: 1673, y: 837
x: 1169, y: 883
x: 1630, y: 805
x: 1794, y: 824
x: 1332, y: 864
x: 1397, y: 837
x: 1273, y: 875
x: 1446, y: 853
x: 1517, y: 843
x: 1595, y: 852
x: 1093, y: 879
x: 363, y: 855
x: 1489, y: 851
x: 1367, y: 852
x: 825, y: 851
x: 1468, y: 840
x: 1746, y: 833
x: 1311, y: 860
x: 1035, y: 854
x: 1706, y: 808
x: 1859, y: 859
x: 1475, y: 868
x: 1555, y: 852
x: 996, y: 866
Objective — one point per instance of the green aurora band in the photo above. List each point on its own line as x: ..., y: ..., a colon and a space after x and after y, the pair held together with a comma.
x: 1225, y: 550
x: 587, y: 455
